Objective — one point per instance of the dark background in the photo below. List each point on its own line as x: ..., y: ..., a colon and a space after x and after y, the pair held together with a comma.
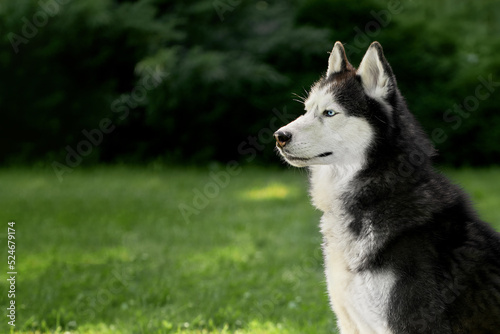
x: 102, y: 81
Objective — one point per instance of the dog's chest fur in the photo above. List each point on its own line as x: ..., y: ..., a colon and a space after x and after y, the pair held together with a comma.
x: 360, y: 298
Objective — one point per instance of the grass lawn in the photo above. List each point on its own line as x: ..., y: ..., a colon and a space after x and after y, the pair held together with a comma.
x: 108, y: 250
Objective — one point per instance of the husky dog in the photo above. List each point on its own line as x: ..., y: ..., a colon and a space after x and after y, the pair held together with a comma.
x: 404, y: 251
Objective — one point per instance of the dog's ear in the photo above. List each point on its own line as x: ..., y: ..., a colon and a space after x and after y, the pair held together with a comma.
x: 338, y: 61
x: 376, y: 73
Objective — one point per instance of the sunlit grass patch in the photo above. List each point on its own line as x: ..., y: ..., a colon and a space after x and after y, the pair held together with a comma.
x: 269, y: 192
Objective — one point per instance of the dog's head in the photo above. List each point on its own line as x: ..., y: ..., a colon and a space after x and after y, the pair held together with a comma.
x: 337, y: 128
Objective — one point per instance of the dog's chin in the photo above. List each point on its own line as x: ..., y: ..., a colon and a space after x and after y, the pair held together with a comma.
x: 296, y: 163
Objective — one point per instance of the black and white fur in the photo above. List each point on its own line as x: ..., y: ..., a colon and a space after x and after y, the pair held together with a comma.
x: 404, y: 251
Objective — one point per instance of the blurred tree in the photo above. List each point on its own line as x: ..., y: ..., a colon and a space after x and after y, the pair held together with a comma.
x: 225, y: 77
x: 74, y: 58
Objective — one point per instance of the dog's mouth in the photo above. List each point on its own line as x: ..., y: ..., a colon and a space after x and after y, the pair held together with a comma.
x: 292, y: 157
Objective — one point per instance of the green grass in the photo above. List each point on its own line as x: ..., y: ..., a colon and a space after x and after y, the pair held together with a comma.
x: 108, y: 250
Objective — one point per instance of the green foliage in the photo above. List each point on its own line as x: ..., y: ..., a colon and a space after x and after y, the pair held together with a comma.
x: 95, y: 254
x: 226, y: 65
x: 60, y: 74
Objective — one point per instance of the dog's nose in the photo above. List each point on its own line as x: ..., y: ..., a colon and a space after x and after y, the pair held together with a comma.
x: 282, y: 137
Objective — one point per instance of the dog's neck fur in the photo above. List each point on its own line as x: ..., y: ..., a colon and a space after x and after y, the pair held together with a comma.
x: 330, y: 181
x: 330, y: 186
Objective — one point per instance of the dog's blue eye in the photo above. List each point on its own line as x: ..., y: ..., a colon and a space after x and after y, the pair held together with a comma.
x: 330, y: 113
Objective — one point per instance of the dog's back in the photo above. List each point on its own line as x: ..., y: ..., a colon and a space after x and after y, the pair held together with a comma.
x: 404, y: 251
